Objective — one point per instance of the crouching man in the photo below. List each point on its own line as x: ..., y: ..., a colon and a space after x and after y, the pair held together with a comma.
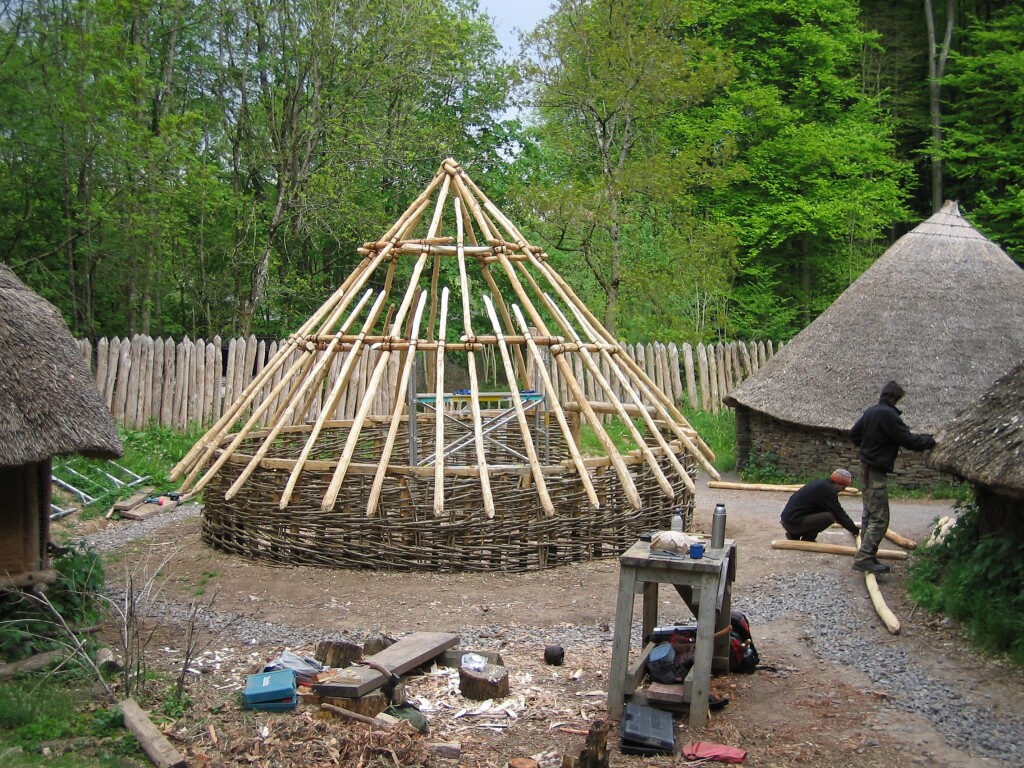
x: 816, y: 506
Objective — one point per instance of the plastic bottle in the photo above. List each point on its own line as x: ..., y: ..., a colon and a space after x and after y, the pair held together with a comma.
x: 718, y: 527
x: 677, y: 522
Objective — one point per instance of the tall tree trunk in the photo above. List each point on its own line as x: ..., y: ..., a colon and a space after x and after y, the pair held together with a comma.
x: 936, y: 69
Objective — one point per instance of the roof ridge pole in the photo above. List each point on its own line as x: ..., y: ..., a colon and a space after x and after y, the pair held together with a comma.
x: 531, y: 452
x: 339, y: 386
x: 439, y: 408
x: 283, y: 419
x: 396, y: 419
x: 619, y: 406
x: 552, y: 393
x: 610, y: 352
x: 474, y: 386
x: 638, y: 438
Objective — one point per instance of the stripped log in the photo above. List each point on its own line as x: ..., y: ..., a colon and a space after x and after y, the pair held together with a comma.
x: 156, y: 746
x: 834, y: 549
x: 887, y: 616
x: 784, y: 488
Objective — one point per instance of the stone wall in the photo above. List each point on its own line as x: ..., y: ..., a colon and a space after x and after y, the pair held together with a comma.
x: 801, y: 451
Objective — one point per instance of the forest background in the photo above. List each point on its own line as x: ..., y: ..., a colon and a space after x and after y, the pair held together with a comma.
x: 699, y: 171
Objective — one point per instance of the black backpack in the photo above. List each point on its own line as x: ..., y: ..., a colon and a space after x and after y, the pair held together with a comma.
x: 743, y: 656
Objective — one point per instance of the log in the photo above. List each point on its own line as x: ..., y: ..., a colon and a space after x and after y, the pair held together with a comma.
x: 153, y: 743
x: 783, y: 488
x: 887, y: 616
x: 523, y: 762
x: 834, y: 549
x: 32, y: 664
x: 900, y: 541
x: 491, y: 682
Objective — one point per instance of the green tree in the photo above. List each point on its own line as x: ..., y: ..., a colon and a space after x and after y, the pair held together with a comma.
x: 984, y: 146
x: 605, y: 77
x: 817, y: 181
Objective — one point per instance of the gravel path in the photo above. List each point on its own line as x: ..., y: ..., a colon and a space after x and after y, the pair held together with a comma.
x: 836, y: 629
x: 833, y: 624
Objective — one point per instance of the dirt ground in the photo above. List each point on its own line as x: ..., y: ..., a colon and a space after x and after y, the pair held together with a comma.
x: 799, y: 710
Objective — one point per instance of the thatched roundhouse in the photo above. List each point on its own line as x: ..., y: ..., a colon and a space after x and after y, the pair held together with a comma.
x: 49, y: 406
x: 426, y: 475
x: 984, y: 445
x: 941, y: 312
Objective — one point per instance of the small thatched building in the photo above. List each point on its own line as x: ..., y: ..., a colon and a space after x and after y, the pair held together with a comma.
x: 49, y: 406
x: 984, y: 445
x: 941, y: 312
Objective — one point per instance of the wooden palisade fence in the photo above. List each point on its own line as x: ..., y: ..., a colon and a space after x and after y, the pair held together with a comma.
x: 189, y: 383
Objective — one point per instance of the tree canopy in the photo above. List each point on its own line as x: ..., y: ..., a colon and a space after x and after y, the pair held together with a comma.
x: 697, y: 170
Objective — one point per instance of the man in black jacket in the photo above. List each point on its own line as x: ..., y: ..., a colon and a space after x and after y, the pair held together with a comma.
x: 816, y: 506
x: 880, y: 433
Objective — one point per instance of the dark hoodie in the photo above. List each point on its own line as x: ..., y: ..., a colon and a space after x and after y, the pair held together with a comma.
x: 880, y: 433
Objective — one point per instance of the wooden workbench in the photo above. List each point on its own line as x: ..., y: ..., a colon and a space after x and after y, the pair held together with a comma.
x: 706, y: 585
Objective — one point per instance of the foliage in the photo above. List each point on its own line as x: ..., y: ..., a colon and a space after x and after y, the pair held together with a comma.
x: 609, y: 190
x: 976, y: 579
x: 59, y: 708
x: 764, y: 468
x: 984, y: 146
x: 27, y: 627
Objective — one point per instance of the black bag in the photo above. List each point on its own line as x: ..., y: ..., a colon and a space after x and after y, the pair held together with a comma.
x: 743, y: 656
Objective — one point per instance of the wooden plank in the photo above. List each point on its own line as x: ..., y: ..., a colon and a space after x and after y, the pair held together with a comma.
x: 153, y: 743
x: 408, y: 653
x: 132, y: 501
x: 666, y: 692
x: 147, y: 510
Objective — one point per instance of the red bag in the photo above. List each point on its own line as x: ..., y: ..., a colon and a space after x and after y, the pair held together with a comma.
x: 697, y: 750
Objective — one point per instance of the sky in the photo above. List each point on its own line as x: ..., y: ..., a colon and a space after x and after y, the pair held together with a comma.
x: 510, y: 14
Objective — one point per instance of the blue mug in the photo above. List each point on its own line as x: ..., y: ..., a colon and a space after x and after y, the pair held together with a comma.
x: 696, y: 551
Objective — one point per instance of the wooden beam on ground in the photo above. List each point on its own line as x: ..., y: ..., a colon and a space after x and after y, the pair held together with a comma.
x: 408, y: 653
x: 887, y: 616
x: 32, y: 664
x: 782, y: 488
x: 153, y: 743
x: 834, y: 549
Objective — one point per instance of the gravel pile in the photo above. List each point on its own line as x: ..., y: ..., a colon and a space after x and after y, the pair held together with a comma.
x: 835, y: 629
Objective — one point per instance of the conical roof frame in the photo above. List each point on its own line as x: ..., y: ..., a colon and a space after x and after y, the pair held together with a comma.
x: 941, y: 312
x: 450, y: 220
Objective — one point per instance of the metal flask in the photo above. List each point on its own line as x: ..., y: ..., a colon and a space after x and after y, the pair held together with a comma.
x: 718, y: 527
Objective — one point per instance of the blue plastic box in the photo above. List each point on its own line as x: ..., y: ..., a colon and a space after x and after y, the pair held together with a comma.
x: 272, y: 691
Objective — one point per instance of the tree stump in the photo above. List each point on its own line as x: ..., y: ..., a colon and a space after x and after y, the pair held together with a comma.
x: 368, y: 705
x: 595, y: 753
x: 337, y: 653
x: 523, y: 762
x: 491, y: 682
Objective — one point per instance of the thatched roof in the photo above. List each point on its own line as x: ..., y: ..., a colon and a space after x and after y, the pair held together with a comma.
x: 506, y: 299
x: 985, y: 443
x: 49, y: 403
x: 941, y: 312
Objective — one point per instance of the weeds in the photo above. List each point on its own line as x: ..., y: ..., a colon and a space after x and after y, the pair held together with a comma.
x: 978, y: 580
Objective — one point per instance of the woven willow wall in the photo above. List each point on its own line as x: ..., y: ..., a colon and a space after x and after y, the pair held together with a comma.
x: 406, y: 535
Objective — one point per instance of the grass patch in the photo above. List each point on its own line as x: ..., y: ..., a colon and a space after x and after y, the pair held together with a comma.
x: 150, y: 453
x: 45, y: 709
x: 977, y: 580
x: 718, y: 430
